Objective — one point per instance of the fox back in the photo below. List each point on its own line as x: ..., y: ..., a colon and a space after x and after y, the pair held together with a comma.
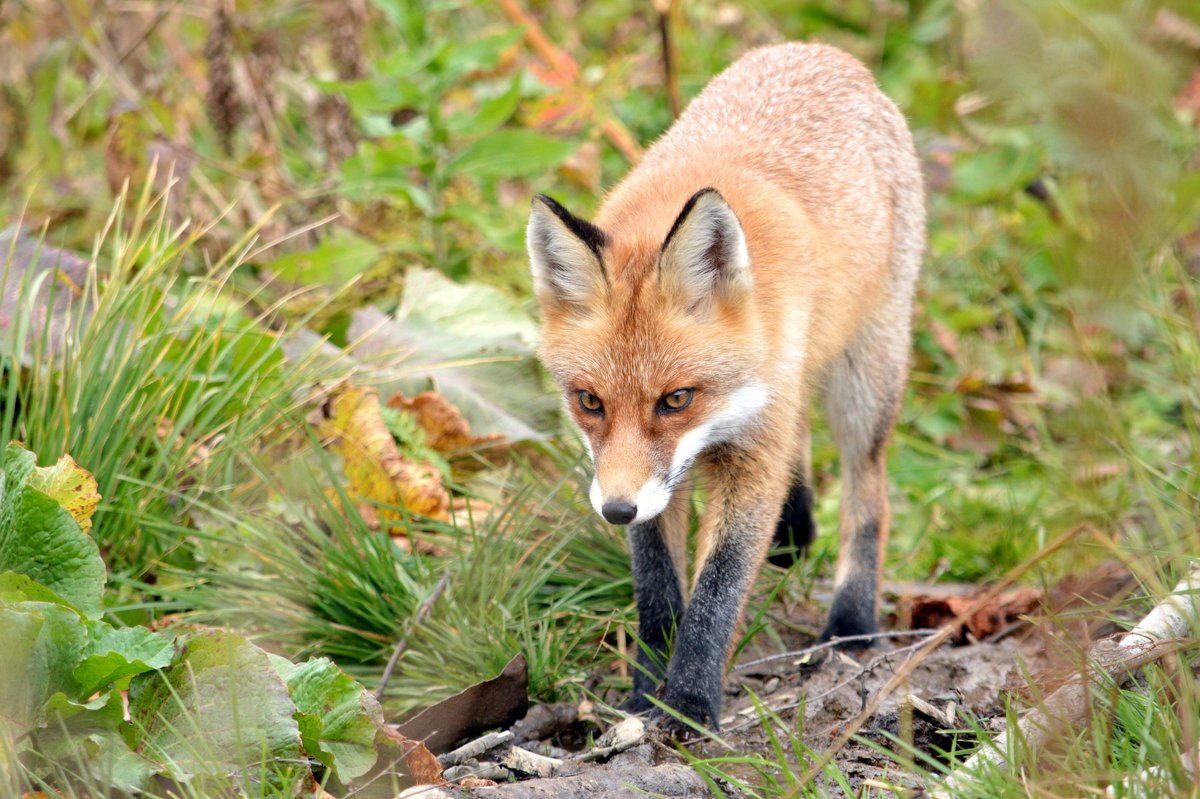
x: 765, y: 248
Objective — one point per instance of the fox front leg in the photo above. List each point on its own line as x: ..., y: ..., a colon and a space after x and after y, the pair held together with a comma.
x: 657, y: 551
x: 734, y: 540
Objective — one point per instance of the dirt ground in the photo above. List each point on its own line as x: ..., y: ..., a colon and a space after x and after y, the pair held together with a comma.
x: 958, y: 686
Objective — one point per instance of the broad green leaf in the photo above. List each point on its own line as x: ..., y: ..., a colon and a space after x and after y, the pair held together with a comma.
x: 495, y: 227
x: 40, y: 539
x: 480, y: 54
x: 114, y: 654
x: 338, y: 719
x: 335, y: 260
x: 994, y: 172
x: 510, y: 154
x: 380, y: 166
x: 89, y: 737
x: 19, y: 587
x: 219, y: 708
x: 469, y: 342
x: 42, y: 643
x: 374, y: 96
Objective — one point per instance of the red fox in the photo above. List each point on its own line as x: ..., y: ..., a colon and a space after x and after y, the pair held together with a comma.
x: 764, y: 250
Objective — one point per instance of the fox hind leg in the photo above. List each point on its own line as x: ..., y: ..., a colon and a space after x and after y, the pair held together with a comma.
x: 863, y: 396
x: 797, y: 528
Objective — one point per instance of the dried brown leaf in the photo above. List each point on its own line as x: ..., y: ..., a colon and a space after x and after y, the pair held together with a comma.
x: 935, y: 611
x: 446, y: 429
x: 422, y: 765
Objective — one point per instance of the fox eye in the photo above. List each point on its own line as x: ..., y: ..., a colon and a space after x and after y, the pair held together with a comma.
x: 590, y: 402
x: 677, y: 400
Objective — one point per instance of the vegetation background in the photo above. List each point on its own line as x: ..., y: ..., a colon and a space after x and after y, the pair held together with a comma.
x: 242, y: 238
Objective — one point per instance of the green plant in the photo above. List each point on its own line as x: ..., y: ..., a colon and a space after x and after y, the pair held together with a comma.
x: 201, y: 708
x: 150, y: 375
x: 440, y: 160
x: 309, y: 578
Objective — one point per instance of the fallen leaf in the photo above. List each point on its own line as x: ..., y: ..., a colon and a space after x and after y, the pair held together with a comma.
x: 467, y: 510
x: 470, y: 343
x: 498, y: 702
x: 377, y: 472
x: 423, y: 765
x: 446, y: 429
x: 935, y: 611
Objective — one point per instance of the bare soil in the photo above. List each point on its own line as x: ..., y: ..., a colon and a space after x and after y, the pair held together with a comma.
x: 952, y: 695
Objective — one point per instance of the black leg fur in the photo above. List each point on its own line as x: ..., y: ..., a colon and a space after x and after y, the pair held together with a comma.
x: 853, y: 609
x: 660, y: 606
x: 697, y: 671
x: 797, y: 528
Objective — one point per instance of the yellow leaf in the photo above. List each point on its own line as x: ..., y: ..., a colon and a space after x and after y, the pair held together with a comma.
x: 375, y: 469
x: 71, y: 486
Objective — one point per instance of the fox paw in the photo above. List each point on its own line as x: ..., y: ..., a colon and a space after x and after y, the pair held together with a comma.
x: 850, y: 619
x: 699, y: 709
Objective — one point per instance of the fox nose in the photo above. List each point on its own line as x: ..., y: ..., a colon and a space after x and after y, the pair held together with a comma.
x: 619, y: 512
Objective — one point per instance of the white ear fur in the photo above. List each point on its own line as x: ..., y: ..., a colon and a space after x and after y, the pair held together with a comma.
x: 705, y: 258
x: 564, y: 255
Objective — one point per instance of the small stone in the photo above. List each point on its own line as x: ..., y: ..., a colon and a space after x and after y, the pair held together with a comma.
x: 771, y: 685
x: 623, y: 735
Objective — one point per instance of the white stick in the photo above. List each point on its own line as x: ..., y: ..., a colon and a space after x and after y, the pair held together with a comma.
x: 1173, y: 618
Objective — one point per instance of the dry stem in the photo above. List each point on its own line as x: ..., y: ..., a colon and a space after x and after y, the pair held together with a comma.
x: 402, y: 644
x: 1157, y: 635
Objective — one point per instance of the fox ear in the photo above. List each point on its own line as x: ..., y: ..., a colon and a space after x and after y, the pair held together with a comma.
x: 564, y: 254
x: 704, y: 258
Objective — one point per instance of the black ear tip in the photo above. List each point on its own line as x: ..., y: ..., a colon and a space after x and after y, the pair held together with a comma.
x: 547, y: 201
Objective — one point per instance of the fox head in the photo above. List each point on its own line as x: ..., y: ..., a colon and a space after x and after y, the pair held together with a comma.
x: 654, y: 341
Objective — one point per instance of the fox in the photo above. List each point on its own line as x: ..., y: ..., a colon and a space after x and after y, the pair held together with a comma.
x: 761, y: 256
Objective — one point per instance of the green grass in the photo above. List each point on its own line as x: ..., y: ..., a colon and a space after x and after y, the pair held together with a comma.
x: 154, y: 377
x: 533, y: 577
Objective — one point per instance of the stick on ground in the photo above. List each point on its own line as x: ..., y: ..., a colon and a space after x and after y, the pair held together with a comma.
x: 1158, y: 634
x: 402, y: 644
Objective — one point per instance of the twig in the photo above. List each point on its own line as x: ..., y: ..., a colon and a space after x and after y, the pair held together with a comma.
x: 473, y: 749
x: 835, y: 642
x: 538, y: 40
x: 666, y: 15
x: 402, y: 644
x: 936, y: 640
x: 1164, y: 630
